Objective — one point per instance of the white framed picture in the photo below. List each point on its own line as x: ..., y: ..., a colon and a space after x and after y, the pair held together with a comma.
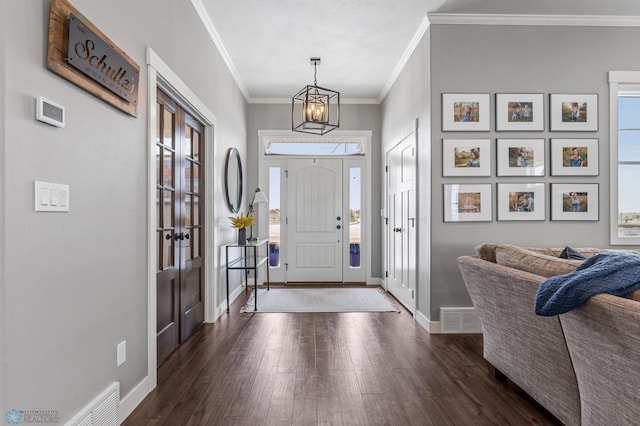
x: 519, y: 112
x: 574, y: 201
x: 574, y: 157
x: 467, y: 203
x: 465, y: 112
x: 466, y: 157
x: 520, y: 157
x: 573, y: 112
x: 521, y: 201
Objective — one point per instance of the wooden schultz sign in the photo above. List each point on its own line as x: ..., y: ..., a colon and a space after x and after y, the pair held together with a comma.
x: 79, y: 52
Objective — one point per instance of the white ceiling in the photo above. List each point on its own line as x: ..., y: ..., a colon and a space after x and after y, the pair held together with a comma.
x: 363, y: 43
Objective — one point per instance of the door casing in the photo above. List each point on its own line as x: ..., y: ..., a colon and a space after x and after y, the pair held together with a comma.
x: 401, y: 233
x: 264, y: 162
x: 160, y: 75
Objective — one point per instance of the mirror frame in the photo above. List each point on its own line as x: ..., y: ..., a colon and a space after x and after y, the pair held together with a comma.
x: 234, y: 205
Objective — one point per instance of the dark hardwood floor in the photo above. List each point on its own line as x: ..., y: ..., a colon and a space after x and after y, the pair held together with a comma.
x: 330, y: 369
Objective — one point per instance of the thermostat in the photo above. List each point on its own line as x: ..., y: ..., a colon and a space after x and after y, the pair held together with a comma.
x: 49, y: 112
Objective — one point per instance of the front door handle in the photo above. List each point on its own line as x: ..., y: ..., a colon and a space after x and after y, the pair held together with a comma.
x: 338, y: 227
x: 179, y: 236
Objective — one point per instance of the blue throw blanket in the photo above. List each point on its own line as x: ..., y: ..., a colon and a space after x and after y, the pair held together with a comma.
x: 610, y: 272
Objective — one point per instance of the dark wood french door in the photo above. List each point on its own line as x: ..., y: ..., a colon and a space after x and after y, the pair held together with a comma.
x: 180, y: 226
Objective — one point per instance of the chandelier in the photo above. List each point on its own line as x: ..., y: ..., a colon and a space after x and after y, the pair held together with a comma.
x: 314, y: 109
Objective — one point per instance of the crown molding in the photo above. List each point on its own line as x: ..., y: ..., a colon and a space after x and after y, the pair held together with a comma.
x: 344, y: 101
x: 422, y: 29
x: 543, y: 20
x: 204, y: 16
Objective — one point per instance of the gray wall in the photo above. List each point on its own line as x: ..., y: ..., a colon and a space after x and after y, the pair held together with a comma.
x: 352, y: 117
x: 506, y: 59
x: 77, y: 282
x: 407, y: 100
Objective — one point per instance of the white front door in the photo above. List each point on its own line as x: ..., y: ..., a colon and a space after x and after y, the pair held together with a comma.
x: 401, y: 231
x: 314, y: 220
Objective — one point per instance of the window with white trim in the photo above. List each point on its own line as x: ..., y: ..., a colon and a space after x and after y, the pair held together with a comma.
x: 625, y: 157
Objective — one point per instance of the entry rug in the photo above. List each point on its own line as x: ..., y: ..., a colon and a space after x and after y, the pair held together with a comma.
x: 321, y: 300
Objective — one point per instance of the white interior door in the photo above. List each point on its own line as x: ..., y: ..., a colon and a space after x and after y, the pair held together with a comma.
x: 314, y: 220
x: 401, y: 231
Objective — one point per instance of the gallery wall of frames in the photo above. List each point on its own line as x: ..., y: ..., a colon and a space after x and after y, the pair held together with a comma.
x: 521, y: 157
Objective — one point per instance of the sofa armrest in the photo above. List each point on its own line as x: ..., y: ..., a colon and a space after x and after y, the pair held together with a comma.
x: 530, y: 350
x: 603, y: 337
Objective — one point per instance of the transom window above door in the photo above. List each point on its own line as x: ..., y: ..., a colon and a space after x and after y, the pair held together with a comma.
x: 314, y: 147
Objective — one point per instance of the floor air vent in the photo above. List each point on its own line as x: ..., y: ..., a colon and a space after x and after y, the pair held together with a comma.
x: 459, y: 320
x: 102, y: 411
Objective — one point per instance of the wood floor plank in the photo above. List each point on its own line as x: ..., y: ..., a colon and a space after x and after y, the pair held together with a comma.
x: 327, y: 413
x: 330, y: 369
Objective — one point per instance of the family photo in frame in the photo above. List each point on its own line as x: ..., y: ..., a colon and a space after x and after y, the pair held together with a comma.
x: 576, y: 201
x: 519, y: 112
x: 574, y: 157
x: 466, y: 157
x: 465, y: 112
x: 467, y: 203
x: 574, y: 112
x: 520, y: 157
x: 521, y: 201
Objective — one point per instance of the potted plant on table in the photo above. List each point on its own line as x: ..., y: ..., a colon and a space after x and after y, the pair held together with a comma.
x: 242, y: 222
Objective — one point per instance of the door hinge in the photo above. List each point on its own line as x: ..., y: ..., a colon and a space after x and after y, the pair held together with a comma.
x: 286, y: 266
x: 386, y: 169
x: 386, y: 220
x: 286, y: 220
x: 386, y: 274
x: 286, y: 174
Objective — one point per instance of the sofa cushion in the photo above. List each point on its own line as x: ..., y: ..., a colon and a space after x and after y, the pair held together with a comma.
x: 569, y: 253
x: 487, y: 252
x: 535, y: 263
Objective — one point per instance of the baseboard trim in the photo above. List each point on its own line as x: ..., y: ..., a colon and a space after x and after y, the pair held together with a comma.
x: 432, y: 327
x: 134, y: 398
x: 376, y: 281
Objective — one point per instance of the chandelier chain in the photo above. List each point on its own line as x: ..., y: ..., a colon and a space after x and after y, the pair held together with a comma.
x: 315, y: 73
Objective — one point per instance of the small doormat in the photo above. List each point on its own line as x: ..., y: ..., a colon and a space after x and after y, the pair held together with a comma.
x: 372, y: 299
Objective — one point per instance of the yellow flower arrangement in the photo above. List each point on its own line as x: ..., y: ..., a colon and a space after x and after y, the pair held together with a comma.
x: 242, y: 221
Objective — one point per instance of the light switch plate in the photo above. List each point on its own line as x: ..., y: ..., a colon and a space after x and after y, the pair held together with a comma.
x: 51, y: 197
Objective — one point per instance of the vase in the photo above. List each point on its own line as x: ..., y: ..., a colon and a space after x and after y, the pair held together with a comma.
x: 242, y: 236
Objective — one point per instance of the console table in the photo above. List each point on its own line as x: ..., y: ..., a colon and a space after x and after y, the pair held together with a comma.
x: 250, y: 259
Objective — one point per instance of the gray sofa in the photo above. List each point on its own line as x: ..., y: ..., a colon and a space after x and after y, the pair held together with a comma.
x: 603, y: 337
x: 581, y: 366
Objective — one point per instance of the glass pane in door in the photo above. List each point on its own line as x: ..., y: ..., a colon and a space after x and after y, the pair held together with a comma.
x: 355, y: 203
x: 168, y: 168
x: 196, y: 172
x: 274, y: 216
x: 187, y: 176
x: 167, y: 134
x: 188, y: 140
x: 187, y: 210
x: 196, y: 146
x: 196, y: 210
x: 167, y: 209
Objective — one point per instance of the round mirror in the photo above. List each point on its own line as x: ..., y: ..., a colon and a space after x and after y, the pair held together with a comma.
x: 233, y: 180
